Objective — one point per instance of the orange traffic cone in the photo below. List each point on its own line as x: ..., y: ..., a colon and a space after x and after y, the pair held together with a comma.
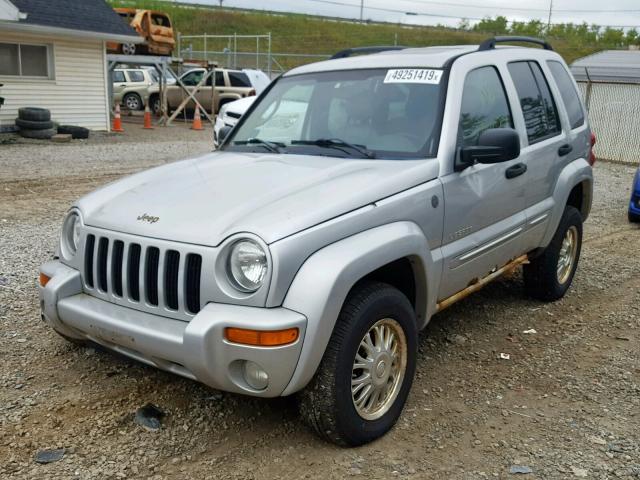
x: 197, y: 121
x: 117, y: 121
x: 147, y: 118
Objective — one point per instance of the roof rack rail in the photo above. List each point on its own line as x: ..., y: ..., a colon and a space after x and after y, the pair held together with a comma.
x: 490, y: 43
x: 364, y: 51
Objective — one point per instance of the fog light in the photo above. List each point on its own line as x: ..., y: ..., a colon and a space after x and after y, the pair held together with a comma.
x: 255, y: 376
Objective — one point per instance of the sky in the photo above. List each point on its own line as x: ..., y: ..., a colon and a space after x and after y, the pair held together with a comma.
x: 431, y: 12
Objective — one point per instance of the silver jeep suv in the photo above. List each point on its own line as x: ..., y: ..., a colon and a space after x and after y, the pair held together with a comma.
x: 357, y: 198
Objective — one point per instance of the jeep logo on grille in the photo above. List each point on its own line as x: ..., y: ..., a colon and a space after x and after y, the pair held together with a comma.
x: 147, y: 218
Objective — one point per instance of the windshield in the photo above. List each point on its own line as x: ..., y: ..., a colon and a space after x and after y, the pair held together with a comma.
x: 378, y: 113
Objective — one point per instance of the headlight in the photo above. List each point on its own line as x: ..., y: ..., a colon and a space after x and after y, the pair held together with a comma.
x: 70, y: 235
x: 247, y: 265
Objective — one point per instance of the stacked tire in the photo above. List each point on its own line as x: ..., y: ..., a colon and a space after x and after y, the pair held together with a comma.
x: 77, y: 133
x: 35, y: 123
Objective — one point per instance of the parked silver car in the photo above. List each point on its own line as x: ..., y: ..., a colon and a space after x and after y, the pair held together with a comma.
x: 306, y: 255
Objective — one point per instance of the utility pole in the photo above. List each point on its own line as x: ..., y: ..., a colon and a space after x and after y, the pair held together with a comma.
x: 550, y: 12
x: 361, y: 10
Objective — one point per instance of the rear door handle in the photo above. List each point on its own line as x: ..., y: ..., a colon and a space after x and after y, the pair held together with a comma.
x: 516, y: 170
x: 565, y: 150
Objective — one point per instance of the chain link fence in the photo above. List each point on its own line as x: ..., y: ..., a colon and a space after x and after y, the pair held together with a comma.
x: 614, y: 115
x: 242, y: 51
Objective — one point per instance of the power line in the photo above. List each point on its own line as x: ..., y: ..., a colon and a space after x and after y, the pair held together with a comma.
x: 520, y: 9
x: 433, y: 15
x: 393, y: 10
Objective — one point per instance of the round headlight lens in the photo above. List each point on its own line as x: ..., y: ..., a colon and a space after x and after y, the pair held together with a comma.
x: 70, y: 235
x: 247, y: 265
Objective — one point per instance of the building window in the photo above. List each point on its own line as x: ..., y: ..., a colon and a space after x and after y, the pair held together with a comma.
x: 25, y: 60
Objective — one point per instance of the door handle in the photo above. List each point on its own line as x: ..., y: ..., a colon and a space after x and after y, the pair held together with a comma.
x: 565, y: 150
x: 516, y: 170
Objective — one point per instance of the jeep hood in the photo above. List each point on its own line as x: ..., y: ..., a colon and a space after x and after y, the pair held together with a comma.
x: 207, y: 199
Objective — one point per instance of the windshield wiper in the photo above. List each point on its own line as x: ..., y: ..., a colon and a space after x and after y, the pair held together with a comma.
x: 338, y: 144
x: 271, y: 146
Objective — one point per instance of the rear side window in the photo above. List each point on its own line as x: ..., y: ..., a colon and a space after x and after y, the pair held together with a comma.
x: 239, y: 79
x: 484, y: 105
x: 219, y: 78
x: 136, y: 76
x: 539, y: 109
x: 568, y: 93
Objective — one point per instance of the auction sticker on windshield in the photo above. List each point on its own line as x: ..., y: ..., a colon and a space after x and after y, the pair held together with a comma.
x: 413, y: 75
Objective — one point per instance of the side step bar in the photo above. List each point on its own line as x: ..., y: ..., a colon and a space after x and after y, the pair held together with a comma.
x: 479, y: 284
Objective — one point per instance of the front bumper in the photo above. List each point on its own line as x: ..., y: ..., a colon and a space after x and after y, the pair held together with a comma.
x: 196, y: 349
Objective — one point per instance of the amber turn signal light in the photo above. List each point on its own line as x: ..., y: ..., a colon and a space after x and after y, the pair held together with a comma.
x: 44, y: 279
x: 259, y: 338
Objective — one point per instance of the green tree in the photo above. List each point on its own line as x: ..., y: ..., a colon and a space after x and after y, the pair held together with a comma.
x: 612, y: 37
x: 631, y: 37
x: 498, y: 25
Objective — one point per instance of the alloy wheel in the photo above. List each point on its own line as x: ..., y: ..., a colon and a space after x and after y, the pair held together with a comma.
x: 378, y: 369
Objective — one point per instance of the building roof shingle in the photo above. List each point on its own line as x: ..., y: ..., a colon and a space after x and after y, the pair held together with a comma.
x: 84, y: 15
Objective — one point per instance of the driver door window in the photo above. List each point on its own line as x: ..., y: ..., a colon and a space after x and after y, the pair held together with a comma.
x: 192, y: 79
x: 484, y: 106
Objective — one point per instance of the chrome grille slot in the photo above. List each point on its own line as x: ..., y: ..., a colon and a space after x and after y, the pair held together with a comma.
x: 156, y: 276
x: 103, y: 251
x: 116, y: 267
x: 88, y: 259
x: 133, y: 272
x: 171, y: 272
x: 151, y: 275
x: 192, y: 283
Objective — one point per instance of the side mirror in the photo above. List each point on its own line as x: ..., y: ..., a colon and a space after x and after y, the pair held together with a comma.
x: 495, y: 145
x: 224, y: 133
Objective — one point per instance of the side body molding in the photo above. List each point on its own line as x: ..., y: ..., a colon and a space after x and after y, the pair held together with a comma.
x: 324, y: 280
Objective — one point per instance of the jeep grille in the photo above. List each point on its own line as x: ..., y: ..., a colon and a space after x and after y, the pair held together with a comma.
x: 162, y: 278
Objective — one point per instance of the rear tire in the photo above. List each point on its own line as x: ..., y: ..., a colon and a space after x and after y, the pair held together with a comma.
x: 549, y: 275
x: 155, y: 104
x: 348, y: 413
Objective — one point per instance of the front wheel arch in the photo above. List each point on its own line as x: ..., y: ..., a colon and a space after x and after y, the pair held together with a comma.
x: 331, y: 274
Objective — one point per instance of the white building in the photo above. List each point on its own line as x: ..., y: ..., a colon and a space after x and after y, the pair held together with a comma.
x: 53, y: 55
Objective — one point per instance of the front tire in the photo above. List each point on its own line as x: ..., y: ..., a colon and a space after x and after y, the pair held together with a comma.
x: 366, y: 373
x: 133, y: 101
x: 549, y: 275
x: 633, y: 217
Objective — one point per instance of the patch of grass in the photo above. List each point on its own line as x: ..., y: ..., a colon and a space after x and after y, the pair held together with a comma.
x: 304, y: 34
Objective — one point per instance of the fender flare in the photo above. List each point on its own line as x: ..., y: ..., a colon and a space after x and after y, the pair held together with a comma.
x: 323, y: 282
x: 573, y: 174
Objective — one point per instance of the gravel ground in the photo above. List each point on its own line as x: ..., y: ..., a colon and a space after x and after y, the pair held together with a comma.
x: 566, y: 404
